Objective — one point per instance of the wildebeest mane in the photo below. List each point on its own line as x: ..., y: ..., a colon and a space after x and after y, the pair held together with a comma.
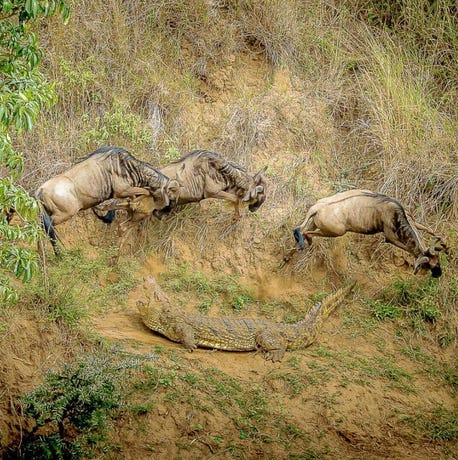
x: 235, y: 173
x: 121, y: 161
x: 212, y: 156
x: 404, y: 230
x: 104, y: 152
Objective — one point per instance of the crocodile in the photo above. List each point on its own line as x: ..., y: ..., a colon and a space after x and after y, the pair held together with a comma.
x: 235, y: 334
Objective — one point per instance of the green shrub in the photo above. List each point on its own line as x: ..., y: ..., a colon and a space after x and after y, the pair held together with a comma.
x: 383, y: 310
x: 117, y: 124
x: 72, y: 405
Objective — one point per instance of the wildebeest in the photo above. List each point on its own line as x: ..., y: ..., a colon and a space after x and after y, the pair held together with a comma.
x: 202, y: 174
x: 105, y: 173
x: 366, y: 212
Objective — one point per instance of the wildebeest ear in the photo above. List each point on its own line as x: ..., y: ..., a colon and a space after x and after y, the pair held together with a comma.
x: 258, y: 176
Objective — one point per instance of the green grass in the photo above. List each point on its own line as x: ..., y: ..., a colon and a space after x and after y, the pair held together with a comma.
x: 434, y: 366
x: 223, y: 291
x: 412, y: 304
x: 439, y: 424
x: 73, y: 286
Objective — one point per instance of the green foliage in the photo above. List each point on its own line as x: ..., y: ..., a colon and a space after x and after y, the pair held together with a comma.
x: 223, y: 290
x: 77, y: 393
x: 435, y: 425
x: 49, y: 447
x: 73, y: 404
x: 23, y: 93
x: 383, y: 310
x: 119, y: 123
x: 418, y: 302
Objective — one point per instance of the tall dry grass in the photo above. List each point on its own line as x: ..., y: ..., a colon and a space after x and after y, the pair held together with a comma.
x: 329, y: 95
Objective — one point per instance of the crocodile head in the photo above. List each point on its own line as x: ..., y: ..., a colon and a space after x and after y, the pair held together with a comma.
x: 150, y: 316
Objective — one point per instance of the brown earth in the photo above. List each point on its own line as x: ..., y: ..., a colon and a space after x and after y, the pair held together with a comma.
x: 344, y: 412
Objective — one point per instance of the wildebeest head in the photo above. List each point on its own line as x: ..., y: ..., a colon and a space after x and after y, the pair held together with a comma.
x: 166, y: 195
x: 430, y: 261
x: 257, y: 194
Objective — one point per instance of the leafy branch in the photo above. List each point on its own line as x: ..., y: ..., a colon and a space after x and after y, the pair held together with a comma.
x: 24, y: 92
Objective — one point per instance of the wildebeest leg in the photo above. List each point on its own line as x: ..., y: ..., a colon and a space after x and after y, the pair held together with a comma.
x: 424, y: 228
x: 234, y: 199
x: 236, y: 211
x: 113, y: 204
x: 398, y: 244
x: 124, y: 229
x: 317, y: 232
x: 47, y: 223
x: 299, y: 233
x: 420, y: 226
x: 132, y: 192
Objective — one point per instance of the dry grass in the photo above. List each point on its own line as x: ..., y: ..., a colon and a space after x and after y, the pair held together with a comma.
x: 337, y: 101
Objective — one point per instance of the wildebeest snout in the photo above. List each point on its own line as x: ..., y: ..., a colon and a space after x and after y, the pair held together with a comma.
x: 261, y: 197
x: 436, y: 271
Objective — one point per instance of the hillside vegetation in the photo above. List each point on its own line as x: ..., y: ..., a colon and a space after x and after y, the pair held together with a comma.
x: 330, y: 96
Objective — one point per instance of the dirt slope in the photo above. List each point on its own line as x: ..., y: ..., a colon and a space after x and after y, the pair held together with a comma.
x: 350, y: 395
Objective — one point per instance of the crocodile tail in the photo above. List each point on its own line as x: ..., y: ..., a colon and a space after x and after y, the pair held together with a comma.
x: 331, y: 302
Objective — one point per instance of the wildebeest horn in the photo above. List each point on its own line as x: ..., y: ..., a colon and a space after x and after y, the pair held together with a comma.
x: 258, y: 176
x: 253, y: 193
x: 419, y: 262
x: 258, y: 189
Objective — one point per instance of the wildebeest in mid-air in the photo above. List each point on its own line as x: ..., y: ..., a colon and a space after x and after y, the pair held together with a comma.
x: 105, y: 173
x: 366, y: 212
x: 201, y: 174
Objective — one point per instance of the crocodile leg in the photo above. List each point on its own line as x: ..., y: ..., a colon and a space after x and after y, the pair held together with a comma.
x: 187, y: 337
x: 272, y: 343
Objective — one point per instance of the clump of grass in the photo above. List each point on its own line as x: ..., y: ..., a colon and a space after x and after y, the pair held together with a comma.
x: 273, y: 27
x: 382, y: 310
x: 223, y: 290
x: 418, y: 302
x: 59, y: 293
x: 117, y: 126
x: 248, y: 126
x: 439, y: 424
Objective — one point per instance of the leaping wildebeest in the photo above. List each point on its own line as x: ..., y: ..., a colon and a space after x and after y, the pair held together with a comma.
x: 201, y: 174
x: 366, y: 212
x: 108, y: 172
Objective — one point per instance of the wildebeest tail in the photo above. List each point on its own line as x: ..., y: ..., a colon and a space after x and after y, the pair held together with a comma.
x: 47, y: 224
